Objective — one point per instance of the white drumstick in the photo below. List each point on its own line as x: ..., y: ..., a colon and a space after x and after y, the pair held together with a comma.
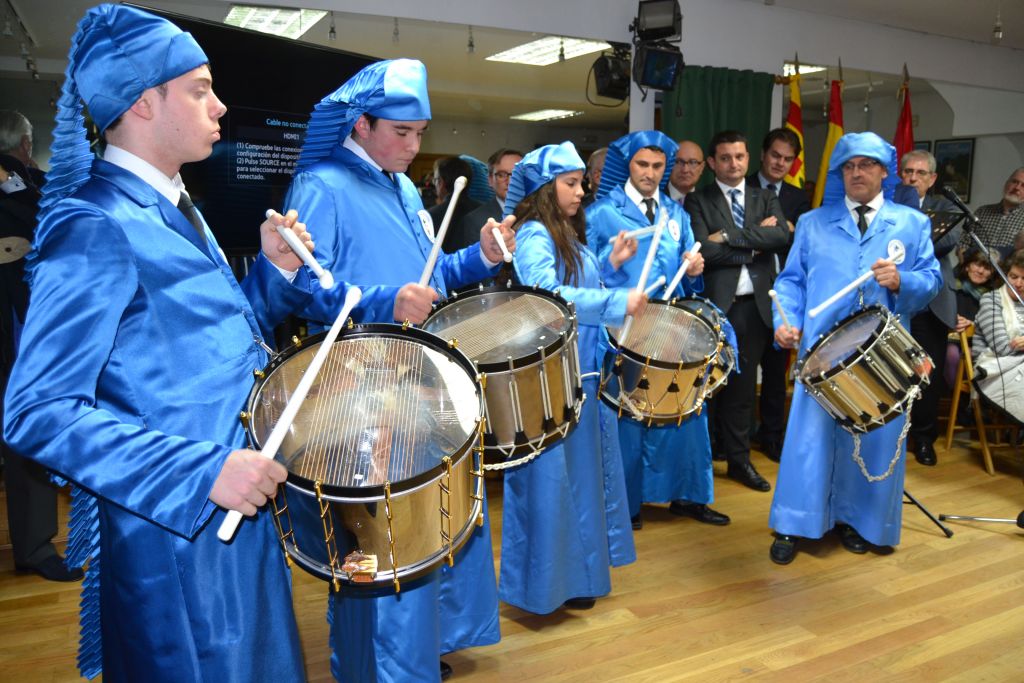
x: 657, y: 283
x: 634, y: 234
x: 505, y: 253
x: 325, y: 278
x: 897, y: 253
x: 782, y: 312
x: 678, y: 277
x: 460, y: 184
x: 291, y: 410
x: 642, y: 282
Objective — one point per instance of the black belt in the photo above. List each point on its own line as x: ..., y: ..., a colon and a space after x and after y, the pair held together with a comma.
x: 743, y: 297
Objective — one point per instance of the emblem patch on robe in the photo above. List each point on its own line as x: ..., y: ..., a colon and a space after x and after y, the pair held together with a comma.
x: 673, y: 229
x: 428, y: 224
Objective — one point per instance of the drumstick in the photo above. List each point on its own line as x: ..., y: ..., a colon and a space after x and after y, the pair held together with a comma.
x: 657, y: 283
x: 291, y: 410
x: 678, y: 277
x: 642, y: 282
x: 325, y: 278
x: 460, y: 184
x: 634, y: 234
x: 896, y: 255
x: 782, y: 312
x: 505, y: 253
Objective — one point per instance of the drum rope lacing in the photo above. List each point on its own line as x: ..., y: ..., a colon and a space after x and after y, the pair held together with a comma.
x: 911, y: 397
x: 529, y: 457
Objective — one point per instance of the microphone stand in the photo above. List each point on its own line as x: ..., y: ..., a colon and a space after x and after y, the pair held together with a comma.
x: 970, y: 222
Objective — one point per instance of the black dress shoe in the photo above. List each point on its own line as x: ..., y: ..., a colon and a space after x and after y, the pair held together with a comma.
x: 772, y: 450
x: 52, y: 569
x: 579, y: 603
x: 924, y: 453
x: 637, y: 522
x: 783, y: 549
x: 699, y: 511
x: 745, y: 474
x: 851, y: 540
x: 446, y: 670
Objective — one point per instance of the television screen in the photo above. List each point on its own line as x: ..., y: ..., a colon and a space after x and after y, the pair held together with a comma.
x: 269, y: 86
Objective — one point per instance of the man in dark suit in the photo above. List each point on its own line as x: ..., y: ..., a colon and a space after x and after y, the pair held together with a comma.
x: 446, y: 171
x: 931, y: 326
x: 741, y: 228
x: 499, y: 172
x: 780, y: 148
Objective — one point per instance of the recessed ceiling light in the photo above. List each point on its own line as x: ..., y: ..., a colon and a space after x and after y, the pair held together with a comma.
x: 546, y: 115
x: 287, y: 23
x: 788, y: 69
x: 549, y: 50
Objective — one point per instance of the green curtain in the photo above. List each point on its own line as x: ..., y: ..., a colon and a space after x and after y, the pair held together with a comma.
x: 709, y: 99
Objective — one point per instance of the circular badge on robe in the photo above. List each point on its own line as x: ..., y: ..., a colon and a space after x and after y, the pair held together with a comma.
x: 428, y: 224
x: 673, y: 229
x: 13, y: 249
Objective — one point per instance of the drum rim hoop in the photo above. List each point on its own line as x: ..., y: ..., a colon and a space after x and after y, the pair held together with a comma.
x: 375, y: 330
x: 661, y: 364
x: 845, y: 364
x: 560, y: 341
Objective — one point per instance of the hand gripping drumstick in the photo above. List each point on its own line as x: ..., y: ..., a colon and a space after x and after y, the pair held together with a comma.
x: 291, y: 410
x: 678, y: 277
x: 782, y: 312
x: 897, y: 253
x: 642, y: 282
x: 505, y: 253
x: 460, y: 184
x: 634, y: 234
x: 325, y: 278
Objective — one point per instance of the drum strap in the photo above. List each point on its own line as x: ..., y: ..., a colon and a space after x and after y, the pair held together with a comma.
x: 911, y: 397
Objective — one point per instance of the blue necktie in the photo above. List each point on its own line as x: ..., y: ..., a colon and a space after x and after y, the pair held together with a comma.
x: 737, y: 208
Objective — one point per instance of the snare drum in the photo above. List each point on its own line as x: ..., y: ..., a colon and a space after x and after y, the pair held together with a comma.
x: 725, y: 359
x: 865, y: 369
x: 662, y: 373
x: 384, y: 482
x: 523, y: 341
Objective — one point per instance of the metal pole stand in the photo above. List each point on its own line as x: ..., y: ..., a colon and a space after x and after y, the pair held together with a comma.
x: 945, y: 529
x: 1019, y: 521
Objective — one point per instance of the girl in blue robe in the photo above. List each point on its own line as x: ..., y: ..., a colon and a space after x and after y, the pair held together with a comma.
x: 566, y: 518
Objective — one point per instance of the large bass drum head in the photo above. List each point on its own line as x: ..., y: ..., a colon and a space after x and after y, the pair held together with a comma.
x: 386, y: 407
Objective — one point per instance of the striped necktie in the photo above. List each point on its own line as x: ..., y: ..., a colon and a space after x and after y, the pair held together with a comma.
x: 737, y: 208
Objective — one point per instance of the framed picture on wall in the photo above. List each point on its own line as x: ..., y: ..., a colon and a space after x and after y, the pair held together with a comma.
x: 954, y: 160
x: 926, y: 145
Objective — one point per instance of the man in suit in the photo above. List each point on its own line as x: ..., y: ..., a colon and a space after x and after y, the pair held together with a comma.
x: 499, y: 172
x: 686, y: 170
x: 446, y: 171
x: 595, y: 167
x: 741, y: 228
x: 780, y: 148
x: 931, y: 326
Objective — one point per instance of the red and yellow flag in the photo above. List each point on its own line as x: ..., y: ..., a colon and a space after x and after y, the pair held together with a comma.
x: 835, y: 131
x: 795, y: 123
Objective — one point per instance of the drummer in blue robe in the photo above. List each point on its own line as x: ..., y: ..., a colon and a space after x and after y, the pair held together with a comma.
x: 136, y: 358
x: 372, y: 228
x: 672, y: 463
x: 566, y: 518
x: 820, y: 486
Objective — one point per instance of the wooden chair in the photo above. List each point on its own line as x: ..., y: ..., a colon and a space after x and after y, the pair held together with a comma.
x: 964, y: 378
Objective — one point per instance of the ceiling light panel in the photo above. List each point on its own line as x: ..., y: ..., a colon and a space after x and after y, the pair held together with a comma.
x: 549, y: 50
x: 287, y: 23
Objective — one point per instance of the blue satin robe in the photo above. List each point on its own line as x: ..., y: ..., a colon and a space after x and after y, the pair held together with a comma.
x: 565, y: 513
x: 819, y: 484
x: 661, y: 463
x: 368, y: 229
x: 136, y: 358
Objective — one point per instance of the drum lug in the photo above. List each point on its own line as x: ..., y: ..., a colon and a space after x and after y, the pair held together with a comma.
x: 257, y: 373
x: 351, y: 324
x: 296, y: 342
x: 453, y: 343
x: 243, y: 417
x: 405, y: 325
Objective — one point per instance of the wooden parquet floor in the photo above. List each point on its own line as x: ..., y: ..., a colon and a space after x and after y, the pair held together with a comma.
x: 706, y: 604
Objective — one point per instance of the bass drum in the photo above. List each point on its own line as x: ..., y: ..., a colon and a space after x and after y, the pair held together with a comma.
x: 384, y: 472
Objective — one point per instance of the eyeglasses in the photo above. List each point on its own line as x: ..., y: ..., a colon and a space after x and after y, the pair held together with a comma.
x: 923, y: 172
x: 501, y: 175
x: 864, y: 165
x: 692, y: 163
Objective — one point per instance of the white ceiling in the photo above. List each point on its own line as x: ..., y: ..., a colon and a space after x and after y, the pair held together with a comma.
x: 466, y: 87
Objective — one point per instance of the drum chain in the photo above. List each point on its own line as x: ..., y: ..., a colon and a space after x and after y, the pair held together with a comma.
x: 444, y: 486
x: 912, y: 396
x: 391, y: 537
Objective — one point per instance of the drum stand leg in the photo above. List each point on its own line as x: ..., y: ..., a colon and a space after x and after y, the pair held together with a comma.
x: 945, y: 529
x: 1019, y: 521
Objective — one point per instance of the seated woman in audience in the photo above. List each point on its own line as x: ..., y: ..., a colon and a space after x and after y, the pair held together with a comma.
x: 975, y: 276
x: 998, y: 345
x: 566, y: 519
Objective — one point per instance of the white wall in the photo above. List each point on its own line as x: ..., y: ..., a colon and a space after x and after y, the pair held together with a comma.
x: 439, y: 138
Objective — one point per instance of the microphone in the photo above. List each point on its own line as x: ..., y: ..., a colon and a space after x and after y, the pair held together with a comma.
x: 950, y: 194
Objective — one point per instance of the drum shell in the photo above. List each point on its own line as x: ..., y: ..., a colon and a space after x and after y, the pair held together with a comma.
x: 869, y: 388
x: 725, y: 360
